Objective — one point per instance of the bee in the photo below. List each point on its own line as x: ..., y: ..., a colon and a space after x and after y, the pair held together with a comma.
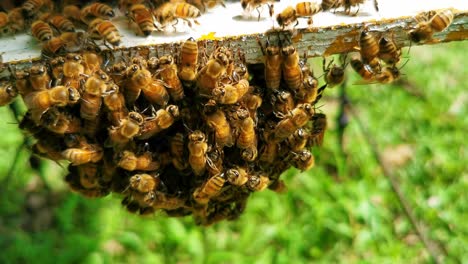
x: 426, y: 28
x: 269, y: 152
x: 278, y: 186
x: 309, y: 92
x: 98, y: 10
x: 8, y: 93
x: 257, y: 182
x: 31, y: 7
x: 177, y: 146
x: 211, y: 188
x: 364, y: 70
x: 60, y: 123
x: 88, y: 174
x: 283, y: 102
x: 91, y: 96
x: 287, y: 17
x: 368, y: 46
x: 16, y: 19
x: 61, y: 23
x: 188, y: 66
x: 39, y: 78
x: 56, y: 66
x: 298, y: 140
x: 118, y: 72
x: 143, y: 18
x: 41, y: 30
x: 144, y: 183
x: 252, y: 102
x: 388, y: 51
x: 217, y: 121
x: 128, y: 128
x: 105, y: 30
x: 47, y: 147
x: 388, y: 75
x: 307, y: 9
x: 210, y: 4
x: 160, y: 200
x: 130, y: 161
x: 169, y: 12
x: 198, y: 148
x: 138, y: 78
x: 73, y: 69
x: 237, y: 176
x: 303, y: 160
x: 249, y: 154
x: 22, y: 82
x: 72, y: 12
x: 247, y: 137
x: 250, y: 5
x: 298, y: 117
x: 230, y: 94
x: 163, y: 119
x: 73, y: 180
x: 292, y: 72
x: 92, y: 61
x: 210, y: 74
x: 55, y: 45
x: 168, y: 74
x: 329, y: 4
x: 155, y: 92
x: 319, y: 125
x: 78, y: 156
x: 4, y: 23
x: 115, y: 105
x: 39, y: 102
x: 347, y: 4
x: 334, y: 74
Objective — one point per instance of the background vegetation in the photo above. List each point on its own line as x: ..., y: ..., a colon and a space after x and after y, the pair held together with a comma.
x: 343, y: 210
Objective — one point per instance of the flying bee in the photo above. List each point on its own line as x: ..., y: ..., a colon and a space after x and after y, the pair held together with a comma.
x: 427, y: 27
x: 144, y: 183
x: 39, y: 102
x: 78, y: 156
x: 163, y: 119
x: 31, y: 7
x: 210, y: 74
x: 72, y: 12
x: 334, y: 74
x: 388, y: 51
x: 198, y: 148
x: 143, y: 18
x: 298, y: 117
x: 155, y: 92
x: 237, y: 176
x: 247, y: 137
x: 298, y: 140
x: 287, y: 17
x: 138, y: 78
x: 177, y: 146
x: 368, y: 46
x: 188, y: 66
x: 217, y: 121
x: 211, y: 188
x: 128, y: 128
x: 283, y: 102
x: 60, y: 123
x: 250, y: 5
x: 307, y: 9
x: 105, y: 30
x: 364, y: 70
x: 168, y: 74
x: 8, y: 93
x: 292, y: 72
x: 170, y: 12
x: 115, y: 105
x: 39, y: 78
x: 41, y: 30
x: 130, y: 161
x: 257, y: 182
x: 303, y: 160
x: 98, y: 10
x: 61, y: 23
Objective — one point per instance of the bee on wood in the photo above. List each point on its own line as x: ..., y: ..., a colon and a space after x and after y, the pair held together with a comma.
x: 273, y: 61
x: 138, y: 78
x: 143, y: 19
x: 388, y: 51
x: 292, y: 73
x: 32, y: 7
x: 368, y: 47
x: 210, y: 74
x: 61, y: 23
x: 105, y: 30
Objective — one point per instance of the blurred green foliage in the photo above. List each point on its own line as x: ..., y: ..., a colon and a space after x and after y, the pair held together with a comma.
x: 343, y: 210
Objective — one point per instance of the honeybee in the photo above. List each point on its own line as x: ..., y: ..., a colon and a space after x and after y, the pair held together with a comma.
x: 217, y: 121
x: 99, y: 10
x: 91, y: 96
x: 41, y: 30
x: 88, y: 175
x: 61, y: 23
x: 283, y: 102
x: 257, y: 182
x: 237, y: 176
x: 269, y: 152
x: 56, y: 66
x: 92, y: 61
x: 105, y: 30
x: 388, y: 75
x: 278, y: 186
x: 73, y: 70
x: 426, y: 28
x: 198, y: 148
x: 252, y: 102
x: 230, y: 94
x: 307, y: 9
x: 334, y: 74
x: 249, y: 154
x: 47, y: 146
x: 144, y: 183
x: 247, y: 137
x: 177, y: 146
x: 169, y: 12
x: 329, y: 4
x: 309, y: 92
x: 60, y: 123
x: 55, y: 45
x: 72, y: 12
x: 250, y: 5
x: 168, y: 74
x: 298, y: 140
x: 40, y: 101
x: 128, y: 160
x: 303, y: 160
x: 319, y: 125
x: 211, y: 188
x: 127, y: 129
x: 292, y: 72
x: 364, y: 70
x: 31, y: 7
x: 22, y: 82
x: 39, y: 78
x: 368, y: 46
x: 143, y: 18
x: 155, y: 92
x: 160, y: 200
x: 16, y: 20
x: 210, y: 74
x: 118, y: 72
x: 188, y: 66
x: 388, y: 51
x: 78, y: 156
x: 115, y: 104
x: 163, y: 119
x: 8, y: 93
x: 138, y: 78
x: 207, y: 4
x: 287, y: 17
x: 298, y: 117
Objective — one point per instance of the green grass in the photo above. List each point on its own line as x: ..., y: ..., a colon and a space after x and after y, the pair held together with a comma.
x: 343, y: 210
